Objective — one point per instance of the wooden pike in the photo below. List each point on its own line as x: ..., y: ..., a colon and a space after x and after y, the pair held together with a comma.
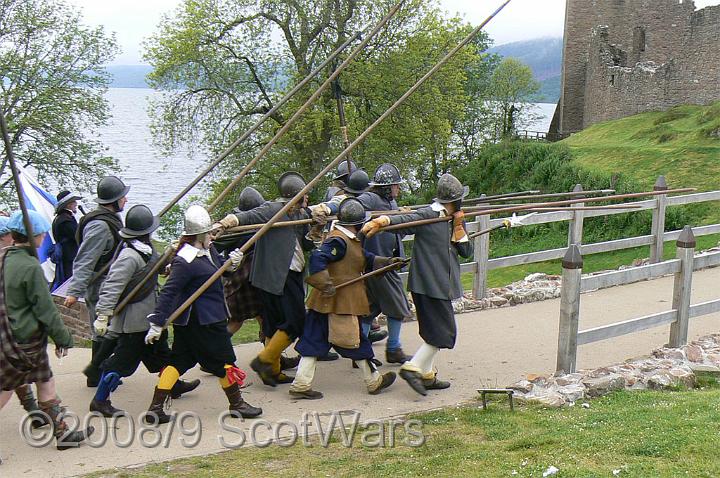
x: 376, y: 272
x: 526, y: 207
x: 289, y: 123
x: 259, y: 123
x: 18, y: 185
x: 335, y: 161
x: 540, y: 196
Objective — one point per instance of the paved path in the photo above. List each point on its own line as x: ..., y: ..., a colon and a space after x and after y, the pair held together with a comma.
x: 496, y: 347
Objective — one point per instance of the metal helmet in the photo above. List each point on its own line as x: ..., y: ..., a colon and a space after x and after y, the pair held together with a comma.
x: 358, y: 182
x: 352, y: 213
x: 289, y: 185
x: 386, y: 175
x: 111, y: 189
x: 139, y: 221
x: 342, y: 170
x: 450, y: 189
x: 331, y: 192
x: 197, y: 221
x: 250, y: 198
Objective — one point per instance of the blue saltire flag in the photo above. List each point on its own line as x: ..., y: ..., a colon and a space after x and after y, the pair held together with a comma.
x: 37, y: 199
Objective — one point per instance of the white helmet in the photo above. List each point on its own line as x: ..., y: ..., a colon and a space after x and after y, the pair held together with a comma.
x: 197, y: 221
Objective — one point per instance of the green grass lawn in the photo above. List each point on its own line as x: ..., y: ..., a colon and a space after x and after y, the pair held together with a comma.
x: 682, y: 144
x: 641, y: 434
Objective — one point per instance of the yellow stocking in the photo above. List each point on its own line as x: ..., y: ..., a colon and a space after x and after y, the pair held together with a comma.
x: 168, y: 377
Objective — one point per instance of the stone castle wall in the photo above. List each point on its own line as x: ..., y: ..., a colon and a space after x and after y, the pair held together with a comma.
x: 623, y: 57
x: 75, y: 318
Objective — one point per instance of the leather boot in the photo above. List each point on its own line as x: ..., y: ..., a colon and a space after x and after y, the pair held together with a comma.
x: 237, y: 404
x: 281, y: 378
x: 385, y: 381
x: 156, y: 412
x: 431, y: 382
x: 104, y: 407
x: 396, y: 356
x: 264, y: 370
x: 29, y: 404
x: 181, y: 387
x: 64, y: 439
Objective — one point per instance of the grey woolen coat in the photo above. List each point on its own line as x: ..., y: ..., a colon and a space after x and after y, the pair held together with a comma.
x: 435, y: 268
x: 133, y: 318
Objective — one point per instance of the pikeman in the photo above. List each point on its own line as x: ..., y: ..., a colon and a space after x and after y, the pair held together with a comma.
x: 136, y: 258
x: 277, y: 272
x: 386, y: 292
x: 241, y: 296
x: 27, y: 317
x: 434, y: 277
x: 200, y: 333
x: 333, y: 315
x: 98, y: 237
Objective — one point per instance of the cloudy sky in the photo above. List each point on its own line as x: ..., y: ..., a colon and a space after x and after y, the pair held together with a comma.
x: 133, y: 20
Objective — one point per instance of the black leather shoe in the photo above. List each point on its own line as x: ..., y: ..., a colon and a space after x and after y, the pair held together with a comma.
x: 396, y: 356
x: 287, y: 363
x: 387, y: 380
x: 414, y: 379
x: 374, y: 361
x: 181, y: 387
x: 329, y: 357
x: 281, y: 378
x: 104, y: 407
x: 377, y: 335
x: 306, y: 395
x: 435, y: 384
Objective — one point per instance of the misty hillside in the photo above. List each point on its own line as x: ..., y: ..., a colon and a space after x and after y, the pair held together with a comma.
x: 544, y: 57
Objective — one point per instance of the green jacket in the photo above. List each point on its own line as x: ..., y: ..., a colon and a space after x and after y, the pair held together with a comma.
x: 29, y: 304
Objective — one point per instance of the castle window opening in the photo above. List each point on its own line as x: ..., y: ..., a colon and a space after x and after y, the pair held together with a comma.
x: 612, y: 80
x: 639, y: 40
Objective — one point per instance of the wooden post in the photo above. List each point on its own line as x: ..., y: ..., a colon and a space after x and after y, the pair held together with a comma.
x: 481, y: 254
x: 682, y: 288
x: 658, y: 221
x: 575, y: 230
x: 569, y: 310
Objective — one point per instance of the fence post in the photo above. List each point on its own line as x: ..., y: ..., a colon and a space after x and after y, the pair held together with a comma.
x: 658, y: 221
x: 682, y: 288
x: 575, y: 230
x: 481, y: 254
x: 569, y: 309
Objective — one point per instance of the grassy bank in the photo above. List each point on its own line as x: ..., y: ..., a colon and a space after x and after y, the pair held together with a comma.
x: 627, y: 434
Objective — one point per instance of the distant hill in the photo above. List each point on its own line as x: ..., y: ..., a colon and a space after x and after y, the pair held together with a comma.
x: 129, y: 76
x: 544, y: 57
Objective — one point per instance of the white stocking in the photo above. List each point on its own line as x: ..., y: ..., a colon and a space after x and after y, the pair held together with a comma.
x: 369, y: 375
x: 305, y: 374
x: 424, y: 358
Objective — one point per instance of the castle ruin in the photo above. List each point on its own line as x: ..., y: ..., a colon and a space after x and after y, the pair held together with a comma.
x: 623, y: 57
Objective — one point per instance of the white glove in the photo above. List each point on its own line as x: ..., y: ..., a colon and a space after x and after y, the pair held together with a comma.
x: 236, y: 258
x: 153, y: 334
x: 101, y: 324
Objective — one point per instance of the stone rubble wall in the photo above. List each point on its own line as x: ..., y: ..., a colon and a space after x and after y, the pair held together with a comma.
x: 665, y: 368
x: 75, y: 318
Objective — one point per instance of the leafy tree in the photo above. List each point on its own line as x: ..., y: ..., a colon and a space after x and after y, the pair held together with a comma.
x: 511, y: 87
x: 224, y: 62
x: 51, y: 91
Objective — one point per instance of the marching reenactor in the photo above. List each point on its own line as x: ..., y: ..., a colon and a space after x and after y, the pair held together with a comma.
x: 386, y: 292
x: 434, y: 277
x: 64, y: 230
x: 24, y: 392
x: 241, y: 296
x: 277, y: 272
x: 28, y: 317
x: 200, y: 332
x: 98, y: 235
x: 136, y: 259
x: 333, y: 314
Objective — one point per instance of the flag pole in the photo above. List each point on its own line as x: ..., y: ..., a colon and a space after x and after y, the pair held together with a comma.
x: 18, y: 186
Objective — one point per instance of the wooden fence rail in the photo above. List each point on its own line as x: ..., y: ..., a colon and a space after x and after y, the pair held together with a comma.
x: 683, y: 266
x: 482, y: 264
